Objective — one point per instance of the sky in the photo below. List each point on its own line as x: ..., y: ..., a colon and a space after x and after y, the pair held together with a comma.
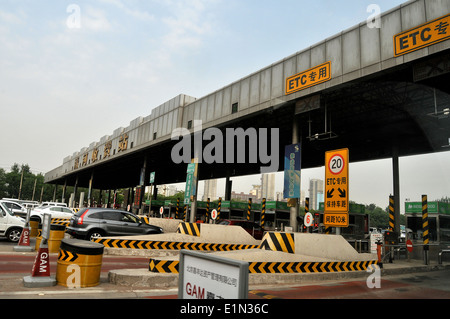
x: 74, y: 71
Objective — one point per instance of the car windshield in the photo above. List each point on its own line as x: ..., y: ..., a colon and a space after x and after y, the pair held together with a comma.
x: 6, y: 209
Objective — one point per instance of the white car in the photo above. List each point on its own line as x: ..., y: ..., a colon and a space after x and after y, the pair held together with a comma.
x: 16, y: 208
x: 10, y: 226
x: 54, y: 204
x: 54, y: 211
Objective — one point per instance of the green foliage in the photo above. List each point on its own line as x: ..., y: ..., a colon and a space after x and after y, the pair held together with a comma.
x: 32, y: 185
x: 379, y: 217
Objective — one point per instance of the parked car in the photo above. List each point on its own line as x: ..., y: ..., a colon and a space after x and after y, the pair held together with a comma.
x: 16, y: 208
x: 91, y: 223
x: 56, y: 212
x: 252, y: 228
x: 10, y: 226
x: 54, y: 204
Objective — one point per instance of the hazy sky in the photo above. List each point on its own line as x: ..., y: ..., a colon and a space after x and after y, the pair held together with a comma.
x: 74, y: 71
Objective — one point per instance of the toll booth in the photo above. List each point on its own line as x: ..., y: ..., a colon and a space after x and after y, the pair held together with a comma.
x: 438, y: 227
x: 277, y: 213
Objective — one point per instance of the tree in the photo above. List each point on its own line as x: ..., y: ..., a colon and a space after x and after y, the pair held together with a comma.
x: 3, y: 184
x: 10, y: 184
x: 379, y: 218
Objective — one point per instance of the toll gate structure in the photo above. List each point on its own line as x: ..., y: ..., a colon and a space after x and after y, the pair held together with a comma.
x: 381, y: 92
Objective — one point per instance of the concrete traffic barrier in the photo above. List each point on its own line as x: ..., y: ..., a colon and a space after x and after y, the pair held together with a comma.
x: 79, y: 263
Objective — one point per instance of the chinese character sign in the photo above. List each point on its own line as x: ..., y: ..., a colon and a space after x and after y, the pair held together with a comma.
x: 189, y: 190
x: 422, y: 36
x: 308, y: 78
x: 336, y: 181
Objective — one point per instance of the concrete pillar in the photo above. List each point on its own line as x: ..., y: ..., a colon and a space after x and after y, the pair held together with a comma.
x: 90, y: 189
x: 81, y: 203
x: 75, y: 188
x: 63, y: 199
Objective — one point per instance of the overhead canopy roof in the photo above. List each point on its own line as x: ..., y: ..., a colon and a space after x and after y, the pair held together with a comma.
x: 369, y: 116
x: 374, y: 103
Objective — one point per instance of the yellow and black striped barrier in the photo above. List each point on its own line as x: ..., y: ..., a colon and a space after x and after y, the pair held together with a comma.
x: 61, y: 221
x: 425, y: 226
x: 169, y: 245
x: 391, y: 213
x: 172, y: 266
x: 278, y: 242
x: 308, y: 267
x: 87, y: 256
x: 263, y: 212
x: 163, y: 266
x: 192, y: 229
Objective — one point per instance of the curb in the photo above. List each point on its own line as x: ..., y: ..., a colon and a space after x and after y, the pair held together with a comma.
x: 144, y: 277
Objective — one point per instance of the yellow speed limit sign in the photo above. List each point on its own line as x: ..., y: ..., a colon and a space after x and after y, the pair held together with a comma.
x: 336, y: 181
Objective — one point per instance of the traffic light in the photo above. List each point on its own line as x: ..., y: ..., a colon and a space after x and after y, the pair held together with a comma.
x: 391, y: 237
x: 316, y: 220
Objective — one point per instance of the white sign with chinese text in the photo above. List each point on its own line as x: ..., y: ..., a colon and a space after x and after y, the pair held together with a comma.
x: 204, y: 276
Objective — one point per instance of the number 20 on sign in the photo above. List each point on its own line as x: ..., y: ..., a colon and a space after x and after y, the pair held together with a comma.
x: 336, y: 181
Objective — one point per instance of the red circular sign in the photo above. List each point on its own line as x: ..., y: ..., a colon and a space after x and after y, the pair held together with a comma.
x: 409, y: 245
x: 336, y: 164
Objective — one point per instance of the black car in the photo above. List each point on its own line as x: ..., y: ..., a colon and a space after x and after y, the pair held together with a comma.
x: 90, y: 223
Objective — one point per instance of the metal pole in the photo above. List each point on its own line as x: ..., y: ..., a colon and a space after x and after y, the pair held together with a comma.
x: 426, y: 235
x: 294, y: 210
x: 263, y: 212
x: 396, y: 176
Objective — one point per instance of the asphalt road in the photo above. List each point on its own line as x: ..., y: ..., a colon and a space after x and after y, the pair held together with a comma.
x: 14, y: 266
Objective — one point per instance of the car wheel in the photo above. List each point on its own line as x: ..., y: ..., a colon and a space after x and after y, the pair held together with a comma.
x: 94, y: 234
x: 13, y: 234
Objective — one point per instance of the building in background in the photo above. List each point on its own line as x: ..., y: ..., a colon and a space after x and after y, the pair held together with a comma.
x: 256, y: 191
x: 210, y: 190
x: 315, y: 193
x: 268, y: 186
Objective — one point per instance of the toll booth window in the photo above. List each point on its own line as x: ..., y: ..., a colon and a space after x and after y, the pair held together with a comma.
x: 415, y: 224
x: 444, y: 223
x: 234, y: 108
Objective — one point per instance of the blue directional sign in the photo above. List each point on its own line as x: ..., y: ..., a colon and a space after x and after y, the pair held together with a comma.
x: 292, y: 168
